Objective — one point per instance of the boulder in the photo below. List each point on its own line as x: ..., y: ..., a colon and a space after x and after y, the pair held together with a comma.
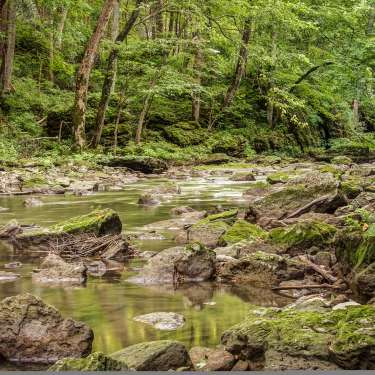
x: 243, y: 230
x: 94, y: 362
x: 208, y: 359
x: 155, y: 356
x: 297, y: 238
x: 144, y: 164
x: 292, y: 339
x: 54, y: 270
x: 190, y: 263
x: 242, y: 177
x: 32, y: 331
x: 10, y: 230
x: 32, y: 202
x: 165, y: 321
x: 177, y: 211
x: 148, y: 199
x: 260, y: 268
x: 8, y: 276
x: 97, y: 223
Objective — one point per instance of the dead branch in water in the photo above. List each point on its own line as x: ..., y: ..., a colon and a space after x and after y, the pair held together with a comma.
x: 328, y: 276
x: 312, y: 286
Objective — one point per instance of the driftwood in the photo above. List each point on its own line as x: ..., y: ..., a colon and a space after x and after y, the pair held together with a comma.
x: 327, y: 275
x: 307, y: 207
x: 88, y: 245
x: 308, y: 286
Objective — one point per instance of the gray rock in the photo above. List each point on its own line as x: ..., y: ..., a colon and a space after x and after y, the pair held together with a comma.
x: 32, y: 202
x: 8, y: 276
x: 165, y: 321
x: 208, y: 359
x: 32, y: 331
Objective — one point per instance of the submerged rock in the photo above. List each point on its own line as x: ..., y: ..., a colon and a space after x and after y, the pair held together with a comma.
x: 8, y: 276
x: 94, y: 362
x: 165, y: 321
x: 208, y: 359
x: 97, y: 223
x: 178, y: 264
x: 155, y: 356
x: 54, y: 270
x: 32, y: 202
x: 32, y: 331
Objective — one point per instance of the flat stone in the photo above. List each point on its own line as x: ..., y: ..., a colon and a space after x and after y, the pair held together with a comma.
x: 165, y: 321
x: 208, y: 359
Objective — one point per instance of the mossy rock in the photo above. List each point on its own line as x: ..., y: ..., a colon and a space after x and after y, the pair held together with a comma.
x: 303, y: 235
x: 144, y: 164
x: 355, y: 149
x: 242, y: 230
x: 161, y: 355
x: 94, y: 362
x: 342, y: 159
x: 185, y: 134
x: 344, y: 337
x: 280, y: 177
x: 98, y: 222
x: 207, y: 232
x: 34, y: 182
x: 352, y: 187
x: 227, y: 143
x: 228, y: 216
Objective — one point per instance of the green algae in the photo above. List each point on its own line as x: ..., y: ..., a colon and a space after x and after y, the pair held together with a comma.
x: 242, y: 230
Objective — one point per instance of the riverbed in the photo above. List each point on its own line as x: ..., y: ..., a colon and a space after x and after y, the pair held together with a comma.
x: 109, y: 303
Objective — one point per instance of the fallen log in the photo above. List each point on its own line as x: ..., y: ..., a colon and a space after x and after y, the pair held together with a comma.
x: 309, y: 286
x: 328, y: 276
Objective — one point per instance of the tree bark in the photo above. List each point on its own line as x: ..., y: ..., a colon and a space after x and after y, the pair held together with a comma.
x: 60, y: 27
x: 8, y: 27
x: 198, y: 65
x: 83, y: 75
x: 159, y: 19
x: 355, y: 112
x: 241, y: 66
x: 110, y: 77
x: 371, y: 20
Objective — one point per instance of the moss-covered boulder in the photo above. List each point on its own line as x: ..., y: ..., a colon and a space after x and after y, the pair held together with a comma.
x: 299, y: 195
x: 355, y: 252
x: 94, y: 362
x: 189, y: 263
x: 280, y: 177
x: 186, y: 133
x: 294, y: 339
x: 259, y: 268
x: 98, y: 223
x: 242, y: 230
x: 342, y: 159
x: 209, y: 230
x: 301, y: 236
x: 161, y: 355
x: 352, y: 187
x: 142, y: 164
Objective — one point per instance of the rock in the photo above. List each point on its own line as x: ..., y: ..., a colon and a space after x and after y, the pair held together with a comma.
x: 190, y: 263
x: 154, y: 356
x: 310, y: 303
x: 261, y: 269
x: 32, y: 331
x: 323, y: 258
x: 63, y: 181
x: 142, y: 164
x: 345, y: 305
x: 13, y: 265
x: 342, y: 160
x: 280, y: 177
x: 207, y: 359
x: 242, y: 230
x: 8, y: 276
x: 296, y: 340
x: 241, y: 366
x: 296, y: 196
x: 177, y: 211
x: 209, y: 230
x: 97, y: 268
x: 32, y: 202
x: 4, y: 209
x: 165, y: 321
x: 147, y: 254
x: 10, y: 230
x: 299, y: 237
x: 99, y: 223
x: 242, y: 177
x: 351, y: 188
x: 54, y: 270
x: 94, y: 362
x: 148, y: 200
x: 216, y: 159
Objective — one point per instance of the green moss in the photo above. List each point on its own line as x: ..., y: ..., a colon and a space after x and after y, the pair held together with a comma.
x: 94, y: 362
x: 35, y: 181
x: 242, y: 230
x: 185, y: 133
x: 333, y: 169
x: 342, y: 160
x: 351, y: 187
x: 96, y: 222
x: 226, y: 216
x: 303, y: 234
x: 341, y: 335
x: 279, y: 177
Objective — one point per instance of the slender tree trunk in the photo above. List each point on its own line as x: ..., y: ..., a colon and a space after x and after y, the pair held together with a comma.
x: 111, y: 75
x: 270, y: 105
x: 159, y: 19
x: 145, y: 109
x: 83, y: 75
x: 61, y: 27
x: 51, y: 53
x: 355, y: 112
x: 8, y: 26
x: 371, y: 20
x: 241, y: 66
x: 198, y: 65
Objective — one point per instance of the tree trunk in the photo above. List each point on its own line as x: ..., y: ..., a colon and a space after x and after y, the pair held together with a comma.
x: 60, y: 27
x: 146, y: 107
x: 51, y: 53
x: 83, y: 75
x: 198, y: 65
x: 371, y: 20
x: 159, y: 19
x: 111, y: 75
x: 355, y: 112
x: 241, y: 66
x: 8, y: 27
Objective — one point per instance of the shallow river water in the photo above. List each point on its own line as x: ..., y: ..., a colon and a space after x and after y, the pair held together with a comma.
x: 108, y: 304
